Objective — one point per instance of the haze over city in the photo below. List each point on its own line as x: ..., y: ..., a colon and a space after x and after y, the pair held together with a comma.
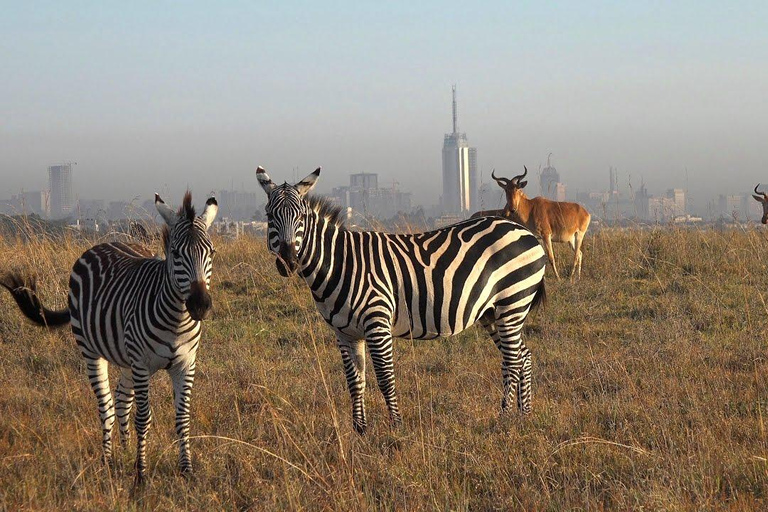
x: 152, y: 98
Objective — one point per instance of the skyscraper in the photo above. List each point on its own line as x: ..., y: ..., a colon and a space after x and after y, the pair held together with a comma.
x: 548, y: 181
x: 459, y: 170
x: 60, y: 185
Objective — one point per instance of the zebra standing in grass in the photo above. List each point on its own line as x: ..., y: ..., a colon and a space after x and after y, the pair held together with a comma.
x: 372, y: 286
x: 141, y: 313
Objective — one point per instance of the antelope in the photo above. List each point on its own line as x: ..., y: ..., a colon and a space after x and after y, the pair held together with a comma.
x: 551, y: 220
x: 762, y: 199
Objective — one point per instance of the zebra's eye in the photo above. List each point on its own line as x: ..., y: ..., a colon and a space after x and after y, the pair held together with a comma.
x: 175, y: 253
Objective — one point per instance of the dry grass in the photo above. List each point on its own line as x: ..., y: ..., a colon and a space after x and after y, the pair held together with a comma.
x: 651, y: 386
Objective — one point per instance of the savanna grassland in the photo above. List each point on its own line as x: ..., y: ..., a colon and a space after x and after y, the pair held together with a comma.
x: 650, y: 392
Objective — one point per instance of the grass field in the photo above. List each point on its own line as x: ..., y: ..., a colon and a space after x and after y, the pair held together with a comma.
x: 650, y: 391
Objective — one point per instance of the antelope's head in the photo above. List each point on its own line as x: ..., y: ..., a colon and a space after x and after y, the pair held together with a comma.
x: 513, y: 189
x: 762, y: 197
x: 189, y: 252
x: 286, y: 218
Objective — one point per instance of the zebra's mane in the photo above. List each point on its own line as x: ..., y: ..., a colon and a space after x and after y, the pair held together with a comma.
x: 187, y: 209
x: 326, y: 209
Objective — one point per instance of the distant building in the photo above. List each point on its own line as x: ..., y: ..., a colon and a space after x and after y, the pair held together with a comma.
x: 236, y: 205
x: 90, y: 208
x: 459, y: 170
x: 740, y: 207
x: 364, y: 180
x: 364, y: 198
x: 559, y: 192
x: 26, y: 203
x: 550, y: 185
x: 60, y: 186
x: 118, y: 210
x: 677, y: 195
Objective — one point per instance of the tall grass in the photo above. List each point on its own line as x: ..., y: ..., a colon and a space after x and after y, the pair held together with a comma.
x: 650, y: 391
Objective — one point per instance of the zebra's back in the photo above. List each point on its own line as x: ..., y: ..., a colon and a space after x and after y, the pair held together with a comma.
x: 437, y: 283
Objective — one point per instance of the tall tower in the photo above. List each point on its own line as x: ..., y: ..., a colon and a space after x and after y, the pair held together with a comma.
x: 548, y: 181
x: 60, y: 187
x: 459, y: 169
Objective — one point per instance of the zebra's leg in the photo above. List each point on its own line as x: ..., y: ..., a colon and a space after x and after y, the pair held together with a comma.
x: 124, y: 403
x: 353, y: 358
x: 143, y: 419
x: 512, y: 354
x: 488, y: 321
x: 98, y: 376
x: 379, y: 339
x: 183, y: 378
x: 524, y: 384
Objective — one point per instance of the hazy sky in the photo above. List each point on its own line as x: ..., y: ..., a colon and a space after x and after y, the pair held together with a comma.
x: 160, y: 95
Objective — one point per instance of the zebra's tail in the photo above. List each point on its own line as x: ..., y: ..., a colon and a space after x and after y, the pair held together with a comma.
x: 540, y: 298
x: 30, y: 305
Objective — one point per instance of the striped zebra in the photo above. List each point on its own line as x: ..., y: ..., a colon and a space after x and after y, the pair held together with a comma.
x: 142, y: 313
x: 370, y: 287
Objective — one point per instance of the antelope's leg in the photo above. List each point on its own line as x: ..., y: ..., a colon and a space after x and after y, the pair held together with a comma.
x: 547, y: 239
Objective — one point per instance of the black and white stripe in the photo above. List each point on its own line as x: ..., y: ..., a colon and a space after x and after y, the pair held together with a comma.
x: 370, y: 287
x: 141, y: 313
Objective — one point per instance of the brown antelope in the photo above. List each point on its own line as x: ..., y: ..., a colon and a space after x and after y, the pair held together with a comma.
x: 763, y: 199
x: 551, y: 220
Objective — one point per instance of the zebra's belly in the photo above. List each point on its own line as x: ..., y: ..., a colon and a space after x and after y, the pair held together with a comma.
x: 122, y: 343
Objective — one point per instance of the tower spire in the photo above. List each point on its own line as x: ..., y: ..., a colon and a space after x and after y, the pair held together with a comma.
x: 455, y: 113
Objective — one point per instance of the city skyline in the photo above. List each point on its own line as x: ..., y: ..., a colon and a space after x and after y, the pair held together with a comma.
x: 145, y: 96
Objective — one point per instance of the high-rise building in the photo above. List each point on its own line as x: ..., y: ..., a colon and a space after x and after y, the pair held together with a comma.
x: 677, y: 195
x: 614, y: 180
x: 459, y: 170
x: 548, y: 182
x: 60, y: 186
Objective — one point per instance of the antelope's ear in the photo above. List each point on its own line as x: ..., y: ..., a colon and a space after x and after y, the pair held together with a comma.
x: 758, y: 198
x: 264, y: 180
x: 307, y: 183
x: 522, y: 184
x: 211, y: 209
x: 166, y: 212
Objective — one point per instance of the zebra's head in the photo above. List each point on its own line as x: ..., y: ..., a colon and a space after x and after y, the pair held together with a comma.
x: 286, y: 216
x: 189, y: 252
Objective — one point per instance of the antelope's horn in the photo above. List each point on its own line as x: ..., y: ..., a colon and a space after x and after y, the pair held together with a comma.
x: 756, y: 187
x: 501, y: 181
x: 517, y: 178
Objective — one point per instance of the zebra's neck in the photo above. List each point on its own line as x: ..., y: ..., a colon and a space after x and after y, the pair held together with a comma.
x: 320, y: 237
x: 169, y: 297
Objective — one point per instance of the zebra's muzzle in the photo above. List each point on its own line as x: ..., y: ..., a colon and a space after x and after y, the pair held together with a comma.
x: 199, y: 303
x: 287, y: 260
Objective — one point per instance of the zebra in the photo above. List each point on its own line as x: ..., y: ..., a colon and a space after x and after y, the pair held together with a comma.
x: 370, y: 287
x: 141, y: 313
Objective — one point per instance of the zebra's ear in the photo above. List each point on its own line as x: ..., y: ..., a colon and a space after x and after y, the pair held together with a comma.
x: 211, y: 209
x: 307, y: 183
x: 166, y: 212
x: 264, y: 180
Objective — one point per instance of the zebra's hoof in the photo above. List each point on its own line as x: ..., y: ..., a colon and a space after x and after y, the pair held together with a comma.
x: 360, y: 428
x: 138, y: 481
